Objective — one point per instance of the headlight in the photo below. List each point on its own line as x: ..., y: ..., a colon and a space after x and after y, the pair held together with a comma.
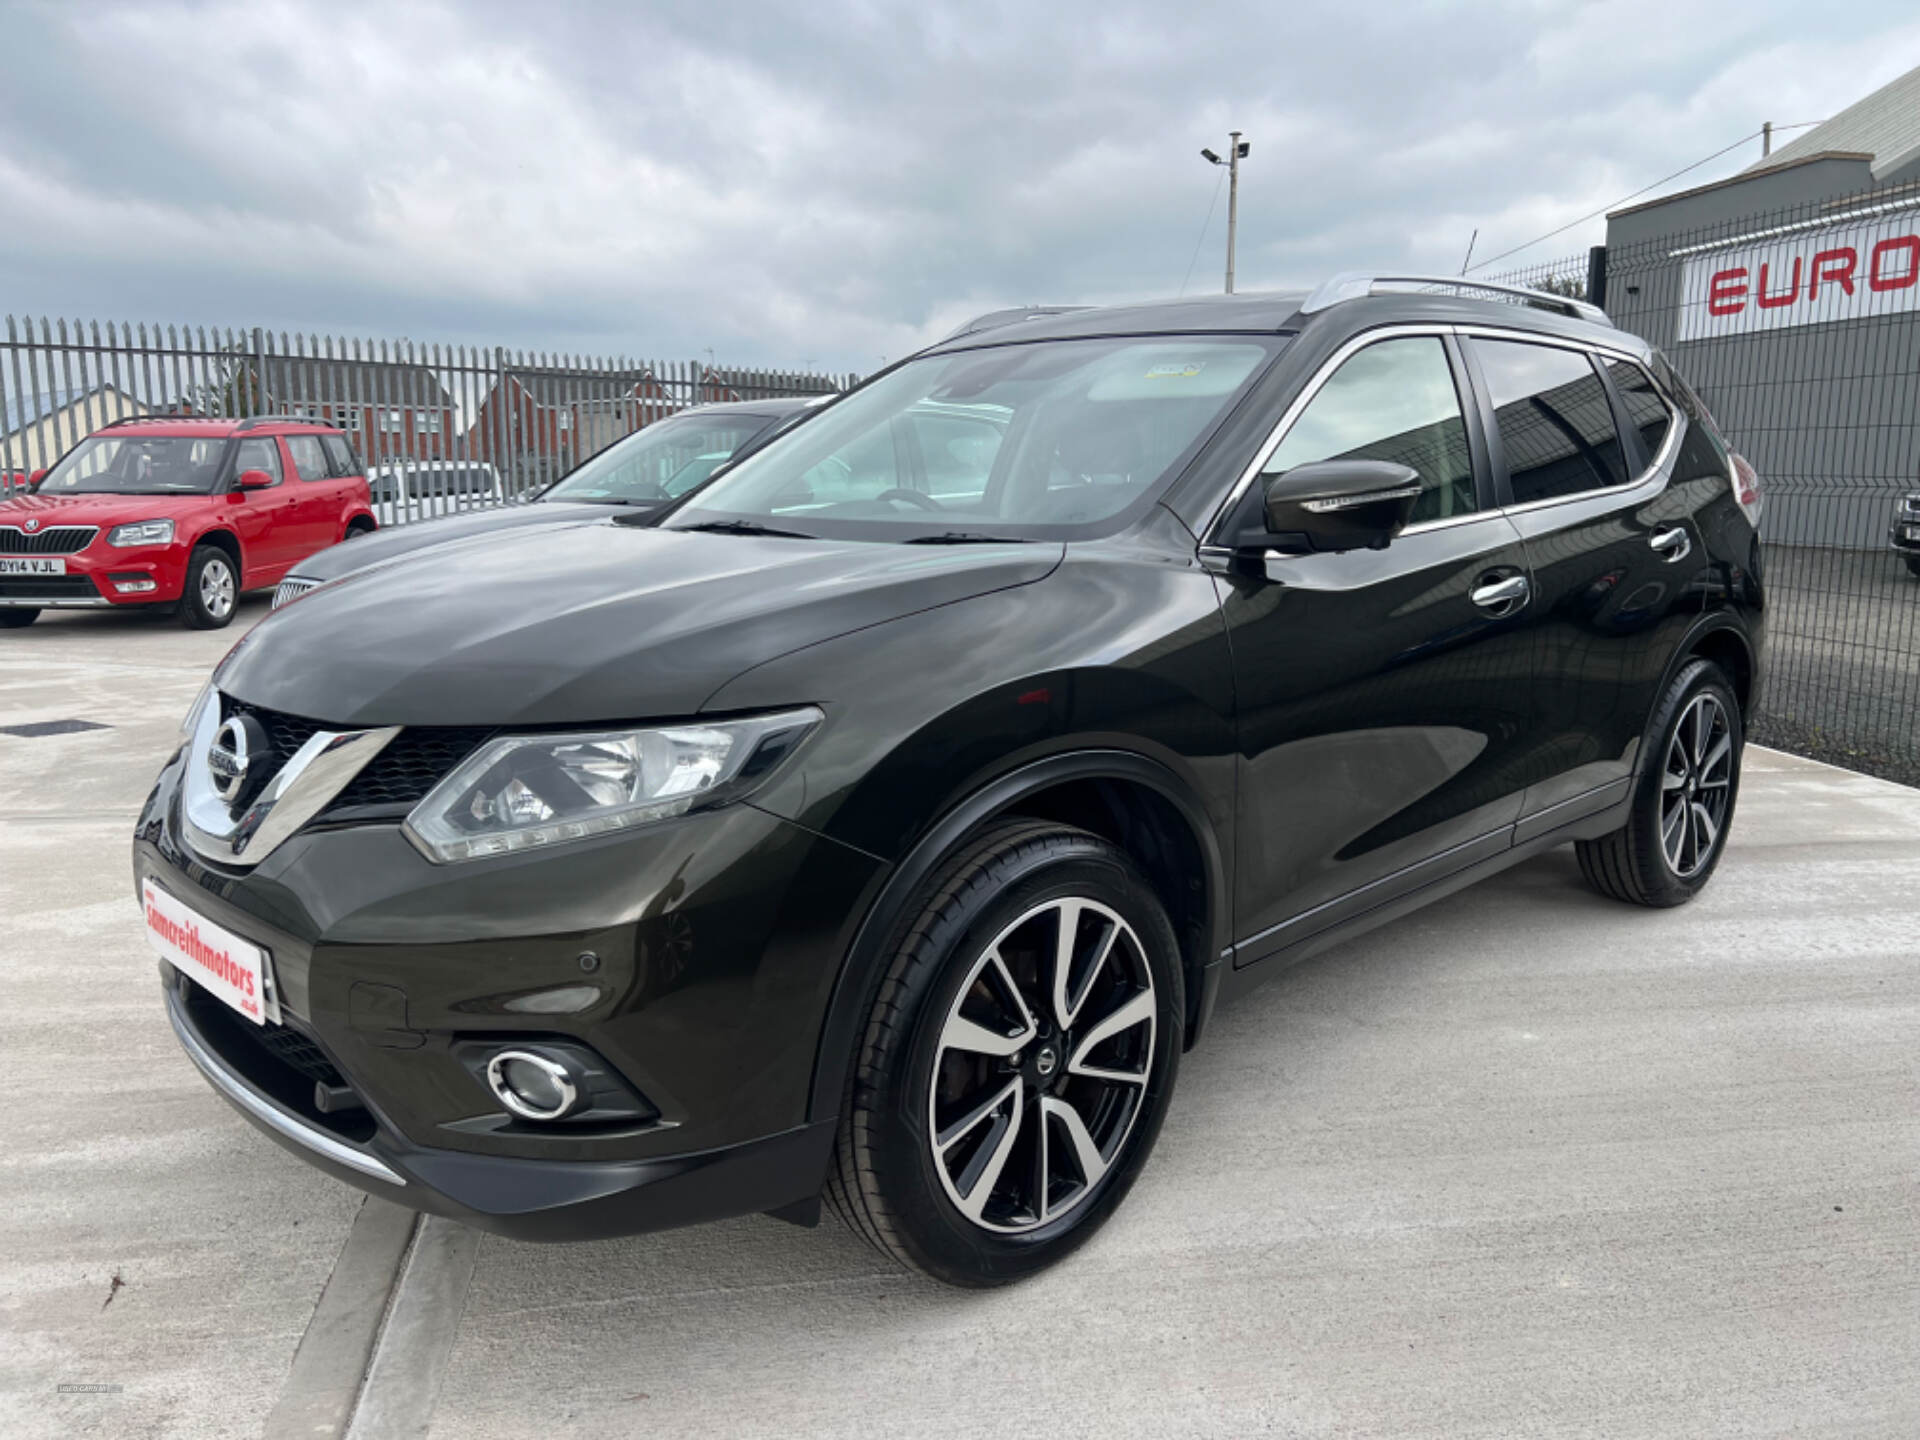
x: 522, y: 792
x: 142, y: 532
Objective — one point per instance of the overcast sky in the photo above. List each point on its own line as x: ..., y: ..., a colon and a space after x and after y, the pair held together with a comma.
x: 837, y: 182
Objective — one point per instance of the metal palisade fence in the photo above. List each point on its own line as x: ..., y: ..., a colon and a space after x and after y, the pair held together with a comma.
x: 1800, y: 329
x: 441, y: 427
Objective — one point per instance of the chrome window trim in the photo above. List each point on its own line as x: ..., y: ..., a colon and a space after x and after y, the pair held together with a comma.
x: 265, y: 1111
x: 1655, y: 469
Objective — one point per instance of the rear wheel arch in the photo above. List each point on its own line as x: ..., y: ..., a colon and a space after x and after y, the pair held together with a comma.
x: 1133, y: 801
x: 1726, y: 646
x: 361, y: 522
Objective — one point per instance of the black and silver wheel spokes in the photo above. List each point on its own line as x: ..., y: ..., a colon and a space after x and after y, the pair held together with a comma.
x: 1042, y: 1065
x: 1695, y: 784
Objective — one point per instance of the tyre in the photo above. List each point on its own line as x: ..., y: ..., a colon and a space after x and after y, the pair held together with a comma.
x: 357, y: 528
x: 1017, y: 1061
x: 1683, y: 798
x: 12, y: 619
x: 1913, y: 565
x: 212, y: 590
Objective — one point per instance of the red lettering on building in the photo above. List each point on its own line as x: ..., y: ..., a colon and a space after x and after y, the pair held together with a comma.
x: 1878, y: 279
x: 1727, y: 292
x: 1834, y: 265
x: 1774, y: 302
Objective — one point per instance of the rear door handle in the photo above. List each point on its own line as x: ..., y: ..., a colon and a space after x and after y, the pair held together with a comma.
x: 1674, y: 544
x: 1503, y: 597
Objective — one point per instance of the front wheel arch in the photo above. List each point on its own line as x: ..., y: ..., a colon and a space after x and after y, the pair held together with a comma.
x: 1061, y: 787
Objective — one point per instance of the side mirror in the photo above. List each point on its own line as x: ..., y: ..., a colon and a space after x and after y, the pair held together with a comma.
x: 253, y: 480
x: 33, y: 480
x: 1335, y: 505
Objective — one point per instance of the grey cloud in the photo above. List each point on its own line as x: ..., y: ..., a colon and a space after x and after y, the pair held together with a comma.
x: 830, y: 182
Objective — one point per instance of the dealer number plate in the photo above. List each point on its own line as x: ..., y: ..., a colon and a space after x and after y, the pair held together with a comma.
x: 227, y: 967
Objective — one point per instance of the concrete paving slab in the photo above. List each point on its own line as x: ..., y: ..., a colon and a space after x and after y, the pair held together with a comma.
x: 120, y: 1165
x: 1527, y: 1163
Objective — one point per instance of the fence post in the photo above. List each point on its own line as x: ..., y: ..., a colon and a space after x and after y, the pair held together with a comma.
x: 1597, y: 276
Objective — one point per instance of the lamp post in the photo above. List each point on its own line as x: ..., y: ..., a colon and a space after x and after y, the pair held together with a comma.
x: 1236, y: 152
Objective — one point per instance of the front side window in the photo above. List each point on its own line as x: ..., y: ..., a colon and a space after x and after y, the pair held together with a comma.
x: 1395, y: 400
x: 1024, y: 441
x: 1556, y: 427
x: 137, y: 465
x: 258, y: 455
x: 663, y: 461
x: 309, y: 456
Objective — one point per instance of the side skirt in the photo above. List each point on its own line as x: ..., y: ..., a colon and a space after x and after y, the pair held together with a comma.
x: 1587, y: 827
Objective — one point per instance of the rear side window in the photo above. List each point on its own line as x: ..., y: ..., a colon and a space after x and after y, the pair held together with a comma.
x: 1556, y: 427
x: 1647, y: 412
x: 341, y: 461
x: 1392, y: 401
x: 309, y: 459
x: 258, y: 455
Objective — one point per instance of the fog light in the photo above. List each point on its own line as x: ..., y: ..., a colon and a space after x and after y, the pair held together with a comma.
x: 531, y: 1085
x: 134, y: 587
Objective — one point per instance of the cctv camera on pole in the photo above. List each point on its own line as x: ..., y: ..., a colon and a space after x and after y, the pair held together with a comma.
x: 1236, y: 152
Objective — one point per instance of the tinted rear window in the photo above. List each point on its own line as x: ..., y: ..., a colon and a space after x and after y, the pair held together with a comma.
x: 1646, y: 411
x: 1556, y: 427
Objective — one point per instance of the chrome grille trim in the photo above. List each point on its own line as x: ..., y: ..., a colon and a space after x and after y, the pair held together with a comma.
x: 292, y: 588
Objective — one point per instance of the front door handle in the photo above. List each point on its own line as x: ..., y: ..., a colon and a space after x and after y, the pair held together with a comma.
x: 1503, y: 597
x: 1674, y: 544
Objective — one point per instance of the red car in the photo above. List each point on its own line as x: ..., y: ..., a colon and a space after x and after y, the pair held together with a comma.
x: 178, y: 512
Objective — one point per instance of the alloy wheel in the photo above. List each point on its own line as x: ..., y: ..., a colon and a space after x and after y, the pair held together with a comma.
x: 216, y: 588
x: 1695, y: 785
x: 1042, y: 1066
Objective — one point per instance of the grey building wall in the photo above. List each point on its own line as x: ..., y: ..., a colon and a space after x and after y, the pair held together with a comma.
x: 1829, y: 414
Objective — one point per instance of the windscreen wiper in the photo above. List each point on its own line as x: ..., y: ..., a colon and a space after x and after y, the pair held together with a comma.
x: 746, y: 527
x: 965, y: 537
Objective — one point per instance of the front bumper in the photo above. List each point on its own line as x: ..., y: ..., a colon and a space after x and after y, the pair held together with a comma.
x: 98, y: 577
x: 715, y: 942
x: 1905, y: 534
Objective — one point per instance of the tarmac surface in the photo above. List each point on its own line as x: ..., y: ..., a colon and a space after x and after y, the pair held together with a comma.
x: 1528, y: 1162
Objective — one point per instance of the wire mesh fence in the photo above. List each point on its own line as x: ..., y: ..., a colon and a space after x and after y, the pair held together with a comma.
x: 440, y: 427
x: 1800, y: 328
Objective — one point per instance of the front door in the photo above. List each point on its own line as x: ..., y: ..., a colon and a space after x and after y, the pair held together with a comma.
x: 1383, y: 695
x: 264, y: 519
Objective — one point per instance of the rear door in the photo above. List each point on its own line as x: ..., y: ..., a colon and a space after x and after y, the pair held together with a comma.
x: 319, y: 507
x: 1615, y: 555
x: 1382, y: 693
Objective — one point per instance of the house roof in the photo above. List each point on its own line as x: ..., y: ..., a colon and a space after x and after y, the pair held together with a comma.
x: 293, y: 379
x: 552, y: 386
x: 22, y: 410
x: 1885, y: 124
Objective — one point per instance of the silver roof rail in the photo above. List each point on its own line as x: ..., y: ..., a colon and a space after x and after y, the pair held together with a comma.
x: 1358, y: 284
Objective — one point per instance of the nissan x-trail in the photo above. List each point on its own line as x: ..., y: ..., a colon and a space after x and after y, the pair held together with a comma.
x: 881, y: 824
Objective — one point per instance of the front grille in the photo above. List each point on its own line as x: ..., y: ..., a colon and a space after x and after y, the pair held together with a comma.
x: 60, y: 540
x: 291, y: 588
x: 48, y: 587
x: 396, y: 780
x: 414, y: 762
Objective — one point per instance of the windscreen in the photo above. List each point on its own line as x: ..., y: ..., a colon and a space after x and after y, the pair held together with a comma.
x: 137, y: 465
x: 663, y: 461
x: 1031, y: 441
